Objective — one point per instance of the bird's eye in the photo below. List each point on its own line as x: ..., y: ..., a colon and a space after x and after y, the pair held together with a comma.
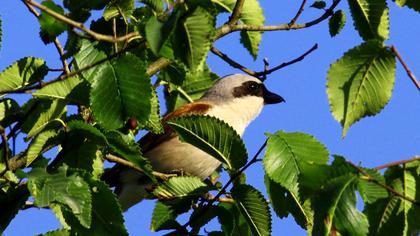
x: 253, y: 86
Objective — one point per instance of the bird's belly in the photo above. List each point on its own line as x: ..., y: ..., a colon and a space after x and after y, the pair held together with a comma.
x: 174, y: 155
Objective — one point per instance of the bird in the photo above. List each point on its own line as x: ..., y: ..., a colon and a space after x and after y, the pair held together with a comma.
x: 235, y: 99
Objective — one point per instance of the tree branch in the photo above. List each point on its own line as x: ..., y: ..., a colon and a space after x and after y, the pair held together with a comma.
x: 298, y: 13
x: 409, y: 73
x: 115, y: 159
x: 390, y: 189
x: 232, y: 62
x: 5, y: 151
x: 396, y: 163
x: 236, y: 13
x: 80, y: 26
x: 284, y: 64
x: 227, y: 29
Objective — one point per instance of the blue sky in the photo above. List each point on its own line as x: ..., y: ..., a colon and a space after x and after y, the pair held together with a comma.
x: 392, y: 135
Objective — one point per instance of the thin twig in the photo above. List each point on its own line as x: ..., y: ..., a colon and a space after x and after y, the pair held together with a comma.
x: 409, y: 73
x: 115, y: 159
x: 236, y: 13
x: 284, y: 64
x: 223, y: 190
x: 220, y: 199
x: 5, y: 151
x: 390, y: 189
x: 298, y: 13
x: 80, y: 26
x: 232, y: 62
x: 227, y: 29
x: 396, y: 163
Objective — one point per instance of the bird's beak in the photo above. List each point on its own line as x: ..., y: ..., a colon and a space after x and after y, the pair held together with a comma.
x: 271, y: 98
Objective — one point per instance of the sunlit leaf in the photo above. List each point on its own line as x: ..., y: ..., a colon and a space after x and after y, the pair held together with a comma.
x: 9, y: 111
x: 360, y: 83
x: 37, y: 145
x: 119, y: 7
x: 71, y: 89
x: 413, y: 4
x: 370, y: 18
x: 181, y: 186
x: 22, y: 73
x: 156, y: 5
x: 205, y: 132
x: 51, y: 27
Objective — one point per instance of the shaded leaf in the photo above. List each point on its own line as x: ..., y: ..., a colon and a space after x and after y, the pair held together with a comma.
x: 119, y: 7
x: 120, y: 90
x: 50, y: 26
x: 89, y: 54
x: 11, y: 201
x: 22, y: 73
x: 164, y: 215
x: 70, y: 89
x: 254, y: 208
x: 319, y: 5
x: 156, y: 5
x: 71, y: 191
x: 369, y: 190
x: 38, y: 144
x: 360, y: 83
x: 88, y: 131
x: 206, y: 132
x: 336, y: 22
x: 58, y: 232
x: 182, y: 186
x: 232, y: 221
x: 9, y: 111
x: 413, y: 4
x: 370, y: 18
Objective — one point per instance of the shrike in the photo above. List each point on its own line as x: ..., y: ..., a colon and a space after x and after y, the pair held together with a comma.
x: 236, y: 99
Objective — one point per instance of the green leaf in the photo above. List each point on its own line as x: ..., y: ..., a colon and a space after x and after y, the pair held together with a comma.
x: 11, y: 201
x: 158, y: 32
x: 360, y: 83
x: 369, y: 190
x: 125, y: 147
x: 119, y: 7
x: 285, y: 202
x: 319, y: 5
x: 87, y: 131
x: 182, y: 186
x: 335, y: 209
x: 413, y: 4
x: 71, y: 191
x: 252, y: 14
x: 58, y: 232
x: 9, y: 111
x: 336, y: 22
x: 154, y: 123
x: 295, y: 160
x: 49, y: 113
x: 199, y: 219
x: 50, y: 26
x: 206, y: 132
x: 233, y: 222
x: 197, y: 37
x: 70, y: 89
x: 38, y: 144
x: 89, y: 54
x: 254, y: 208
x: 163, y: 217
x: 120, y: 90
x: 22, y: 73
x: 156, y: 5
x: 371, y: 18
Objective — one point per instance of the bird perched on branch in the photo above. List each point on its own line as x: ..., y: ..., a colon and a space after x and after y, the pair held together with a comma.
x: 236, y: 99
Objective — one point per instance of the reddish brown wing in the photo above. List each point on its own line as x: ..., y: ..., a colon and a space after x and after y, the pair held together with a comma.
x: 150, y: 140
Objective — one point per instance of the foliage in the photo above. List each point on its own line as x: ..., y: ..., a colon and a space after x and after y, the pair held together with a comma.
x: 111, y: 81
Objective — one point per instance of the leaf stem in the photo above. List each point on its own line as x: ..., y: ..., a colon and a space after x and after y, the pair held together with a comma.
x: 409, y: 73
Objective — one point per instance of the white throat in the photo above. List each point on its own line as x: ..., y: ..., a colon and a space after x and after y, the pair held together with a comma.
x: 239, y: 112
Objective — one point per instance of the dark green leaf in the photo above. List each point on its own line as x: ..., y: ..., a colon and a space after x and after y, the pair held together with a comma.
x: 295, y: 160
x: 319, y: 5
x: 165, y: 214
x: 120, y: 90
x: 154, y: 123
x: 157, y: 32
x: 89, y: 54
x: 72, y: 191
x: 119, y: 7
x: 11, y: 202
x: 50, y: 26
x: 58, y: 232
x: 360, y: 83
x: 87, y: 131
x: 205, y: 132
x: 9, y: 111
x: 370, y: 18
x: 66, y: 90
x: 254, y: 208
x: 156, y: 5
x: 199, y: 219
x: 335, y: 209
x: 232, y: 221
x: 413, y: 4
x: 182, y: 186
x: 336, y: 22
x: 369, y: 190
x: 196, y: 39
x: 22, y: 73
